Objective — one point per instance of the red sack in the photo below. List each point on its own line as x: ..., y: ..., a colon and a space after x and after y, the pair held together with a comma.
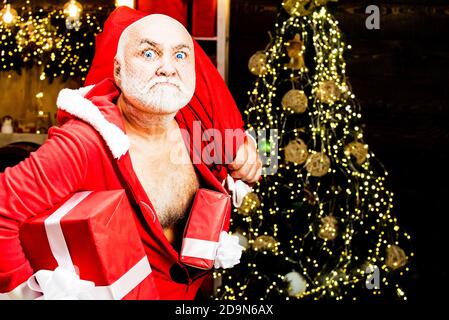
x: 204, y: 17
x: 93, y: 235
x: 177, y: 9
x: 209, y: 216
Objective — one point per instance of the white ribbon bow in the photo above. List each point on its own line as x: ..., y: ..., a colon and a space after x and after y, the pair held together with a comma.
x: 60, y: 284
x: 229, y: 251
x: 239, y: 190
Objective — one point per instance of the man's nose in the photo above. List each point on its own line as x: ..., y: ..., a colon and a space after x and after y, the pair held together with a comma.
x: 166, y: 67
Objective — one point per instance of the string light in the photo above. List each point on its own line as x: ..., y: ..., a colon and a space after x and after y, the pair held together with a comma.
x: 128, y: 3
x: 330, y: 228
x: 73, y: 9
x: 45, y: 39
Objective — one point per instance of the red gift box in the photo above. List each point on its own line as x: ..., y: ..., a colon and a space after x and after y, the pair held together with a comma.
x: 204, y: 15
x: 208, y: 217
x: 93, y: 234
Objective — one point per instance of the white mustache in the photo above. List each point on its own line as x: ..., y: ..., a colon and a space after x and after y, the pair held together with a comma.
x: 155, y: 82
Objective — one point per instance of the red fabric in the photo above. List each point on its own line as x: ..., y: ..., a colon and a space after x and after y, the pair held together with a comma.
x: 98, y: 232
x: 75, y: 158
x: 204, y: 18
x: 177, y: 9
x: 202, y: 226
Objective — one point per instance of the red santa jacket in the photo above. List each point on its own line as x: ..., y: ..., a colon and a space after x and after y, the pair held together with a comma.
x: 89, y: 151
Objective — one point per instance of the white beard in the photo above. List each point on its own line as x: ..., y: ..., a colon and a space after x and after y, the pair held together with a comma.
x: 159, y: 98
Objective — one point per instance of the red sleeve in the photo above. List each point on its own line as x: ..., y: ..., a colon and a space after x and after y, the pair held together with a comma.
x: 36, y: 184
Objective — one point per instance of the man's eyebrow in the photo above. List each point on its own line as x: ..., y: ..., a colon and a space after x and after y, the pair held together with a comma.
x: 152, y: 43
x: 158, y: 45
x: 182, y: 46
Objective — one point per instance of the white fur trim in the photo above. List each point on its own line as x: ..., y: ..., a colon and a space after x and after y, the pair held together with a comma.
x: 229, y: 251
x: 73, y: 102
x: 249, y: 135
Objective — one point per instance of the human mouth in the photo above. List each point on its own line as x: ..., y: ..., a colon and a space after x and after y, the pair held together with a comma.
x: 166, y: 84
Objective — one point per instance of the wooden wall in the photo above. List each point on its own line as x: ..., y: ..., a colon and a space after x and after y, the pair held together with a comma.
x: 400, y: 75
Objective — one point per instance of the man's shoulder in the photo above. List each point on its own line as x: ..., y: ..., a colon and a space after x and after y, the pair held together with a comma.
x: 107, y: 139
x: 76, y: 129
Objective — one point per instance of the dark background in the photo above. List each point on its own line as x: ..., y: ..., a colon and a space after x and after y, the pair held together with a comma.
x: 400, y: 76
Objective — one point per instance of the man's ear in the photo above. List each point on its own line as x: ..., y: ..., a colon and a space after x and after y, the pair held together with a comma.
x: 117, y: 78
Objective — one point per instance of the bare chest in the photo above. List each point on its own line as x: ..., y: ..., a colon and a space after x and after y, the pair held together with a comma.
x: 169, y: 179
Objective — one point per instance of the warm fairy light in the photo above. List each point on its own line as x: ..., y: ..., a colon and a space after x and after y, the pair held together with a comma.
x: 8, y: 14
x: 43, y: 39
x: 73, y: 9
x: 128, y: 3
x: 334, y: 130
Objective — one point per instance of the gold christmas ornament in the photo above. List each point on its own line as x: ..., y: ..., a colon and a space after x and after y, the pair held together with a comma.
x: 296, y: 151
x: 249, y: 204
x: 328, y: 91
x: 295, y: 100
x: 328, y: 228
x: 295, y: 50
x: 257, y: 64
x: 318, y: 164
x: 264, y: 242
x: 396, y: 257
x: 298, y: 7
x: 358, y: 150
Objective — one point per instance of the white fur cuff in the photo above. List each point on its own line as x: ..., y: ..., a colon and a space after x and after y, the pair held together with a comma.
x: 229, y: 251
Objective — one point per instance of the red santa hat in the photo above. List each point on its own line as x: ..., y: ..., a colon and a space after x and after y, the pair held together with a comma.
x: 107, y: 41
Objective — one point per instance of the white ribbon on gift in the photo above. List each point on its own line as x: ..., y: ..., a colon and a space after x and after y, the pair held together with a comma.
x: 64, y: 282
x: 60, y: 284
x: 226, y: 253
x: 239, y: 190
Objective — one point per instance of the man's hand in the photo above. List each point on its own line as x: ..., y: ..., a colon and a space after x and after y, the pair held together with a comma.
x: 247, y: 165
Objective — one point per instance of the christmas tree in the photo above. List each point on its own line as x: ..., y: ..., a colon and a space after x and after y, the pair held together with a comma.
x: 320, y: 225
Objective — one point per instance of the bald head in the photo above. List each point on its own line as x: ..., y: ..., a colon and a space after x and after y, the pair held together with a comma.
x: 154, y: 65
x: 158, y: 26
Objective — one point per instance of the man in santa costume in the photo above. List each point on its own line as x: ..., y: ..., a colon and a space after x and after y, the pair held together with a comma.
x: 149, y: 84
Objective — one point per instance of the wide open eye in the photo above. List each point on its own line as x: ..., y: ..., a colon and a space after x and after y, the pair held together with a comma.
x: 181, y: 55
x: 149, y: 54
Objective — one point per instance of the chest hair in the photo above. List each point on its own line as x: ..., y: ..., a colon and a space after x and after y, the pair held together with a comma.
x: 169, y: 179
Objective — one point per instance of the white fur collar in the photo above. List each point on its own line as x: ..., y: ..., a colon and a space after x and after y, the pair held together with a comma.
x: 73, y: 102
